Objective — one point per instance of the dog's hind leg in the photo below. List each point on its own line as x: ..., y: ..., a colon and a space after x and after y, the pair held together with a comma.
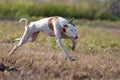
x: 34, y: 36
x: 17, y: 39
x: 24, y: 38
x: 31, y: 39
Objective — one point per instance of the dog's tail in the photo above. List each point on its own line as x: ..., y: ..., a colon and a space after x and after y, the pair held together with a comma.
x: 26, y: 21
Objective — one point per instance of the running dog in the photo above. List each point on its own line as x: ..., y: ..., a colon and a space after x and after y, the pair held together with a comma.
x: 57, y: 27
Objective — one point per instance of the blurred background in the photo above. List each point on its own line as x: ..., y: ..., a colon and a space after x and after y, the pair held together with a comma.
x: 87, y: 9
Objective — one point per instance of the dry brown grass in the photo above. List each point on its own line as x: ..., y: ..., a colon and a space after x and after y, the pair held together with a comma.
x: 42, y: 60
x: 53, y: 66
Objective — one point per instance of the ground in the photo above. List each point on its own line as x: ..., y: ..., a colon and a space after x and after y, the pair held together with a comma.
x: 97, y: 54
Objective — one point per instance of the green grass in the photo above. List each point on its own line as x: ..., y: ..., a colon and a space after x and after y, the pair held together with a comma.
x: 81, y: 9
x: 98, y: 41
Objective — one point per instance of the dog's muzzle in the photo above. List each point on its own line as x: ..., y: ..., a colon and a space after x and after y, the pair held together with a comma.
x: 76, y: 37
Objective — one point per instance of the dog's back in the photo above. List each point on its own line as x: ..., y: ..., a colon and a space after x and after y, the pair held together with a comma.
x: 46, y: 24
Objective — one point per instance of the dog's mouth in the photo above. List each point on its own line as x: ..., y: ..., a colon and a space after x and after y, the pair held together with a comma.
x: 75, y: 37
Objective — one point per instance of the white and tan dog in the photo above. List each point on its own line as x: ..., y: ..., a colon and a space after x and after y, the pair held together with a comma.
x: 53, y: 26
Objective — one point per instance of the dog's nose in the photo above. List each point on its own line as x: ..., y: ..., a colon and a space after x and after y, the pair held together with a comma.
x: 76, y: 37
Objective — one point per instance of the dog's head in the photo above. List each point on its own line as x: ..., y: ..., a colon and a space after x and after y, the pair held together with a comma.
x: 70, y: 30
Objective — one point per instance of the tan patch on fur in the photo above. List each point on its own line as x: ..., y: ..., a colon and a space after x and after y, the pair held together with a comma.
x: 34, y: 36
x: 52, y: 19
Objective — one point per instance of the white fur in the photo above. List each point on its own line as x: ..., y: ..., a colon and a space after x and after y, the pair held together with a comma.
x: 42, y: 26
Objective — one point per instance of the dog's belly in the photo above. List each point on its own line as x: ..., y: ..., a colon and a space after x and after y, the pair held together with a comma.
x: 51, y: 34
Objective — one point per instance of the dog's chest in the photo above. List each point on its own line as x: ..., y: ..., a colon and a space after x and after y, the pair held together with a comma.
x: 47, y: 31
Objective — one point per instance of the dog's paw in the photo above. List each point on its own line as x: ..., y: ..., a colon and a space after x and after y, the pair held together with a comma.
x: 72, y: 59
x: 73, y: 48
x: 10, y: 53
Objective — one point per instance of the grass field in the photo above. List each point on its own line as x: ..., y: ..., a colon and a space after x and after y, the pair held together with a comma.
x: 97, y: 54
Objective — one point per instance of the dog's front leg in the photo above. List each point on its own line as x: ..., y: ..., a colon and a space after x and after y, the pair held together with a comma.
x: 58, y: 36
x: 73, y: 44
x: 73, y: 40
x: 63, y: 49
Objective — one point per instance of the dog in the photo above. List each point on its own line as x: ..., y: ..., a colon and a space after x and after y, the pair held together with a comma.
x: 56, y: 26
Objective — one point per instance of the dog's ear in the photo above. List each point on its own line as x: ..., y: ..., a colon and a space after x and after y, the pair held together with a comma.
x: 71, y: 20
x: 73, y: 24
